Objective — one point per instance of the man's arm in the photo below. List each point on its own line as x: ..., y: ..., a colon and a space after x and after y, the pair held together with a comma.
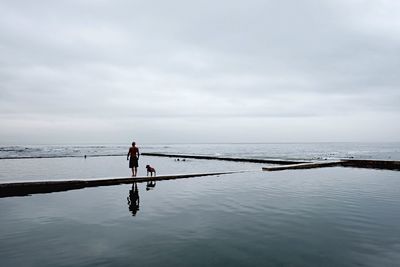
x: 127, y: 156
x: 137, y: 151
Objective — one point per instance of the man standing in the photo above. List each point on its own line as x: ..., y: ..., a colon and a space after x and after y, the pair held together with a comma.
x: 133, y: 157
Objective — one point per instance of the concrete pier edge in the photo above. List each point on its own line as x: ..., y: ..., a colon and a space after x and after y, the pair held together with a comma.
x: 252, y: 160
x: 356, y: 163
x: 37, y: 187
x: 366, y: 164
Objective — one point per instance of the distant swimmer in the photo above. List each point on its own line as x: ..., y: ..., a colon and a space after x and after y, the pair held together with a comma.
x: 133, y: 157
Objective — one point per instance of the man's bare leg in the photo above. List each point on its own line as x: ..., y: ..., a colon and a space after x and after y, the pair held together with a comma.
x: 133, y: 172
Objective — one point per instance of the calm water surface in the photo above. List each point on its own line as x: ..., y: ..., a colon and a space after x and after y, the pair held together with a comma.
x: 320, y: 217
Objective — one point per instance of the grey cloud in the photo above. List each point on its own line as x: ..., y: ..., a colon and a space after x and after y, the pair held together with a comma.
x: 162, y: 60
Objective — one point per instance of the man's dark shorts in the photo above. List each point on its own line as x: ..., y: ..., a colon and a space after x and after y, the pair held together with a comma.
x: 133, y: 162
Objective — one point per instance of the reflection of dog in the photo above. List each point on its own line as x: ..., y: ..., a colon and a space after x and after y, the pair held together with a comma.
x: 150, y: 185
x: 150, y: 170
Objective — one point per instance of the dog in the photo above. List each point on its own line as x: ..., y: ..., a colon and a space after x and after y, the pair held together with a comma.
x: 150, y: 170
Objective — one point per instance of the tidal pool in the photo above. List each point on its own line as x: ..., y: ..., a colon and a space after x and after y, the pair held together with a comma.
x: 320, y: 217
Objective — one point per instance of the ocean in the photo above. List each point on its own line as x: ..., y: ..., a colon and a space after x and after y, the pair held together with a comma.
x: 300, y: 151
x: 320, y: 217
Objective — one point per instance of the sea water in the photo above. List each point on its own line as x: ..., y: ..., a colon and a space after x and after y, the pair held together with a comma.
x: 320, y: 217
x: 299, y: 151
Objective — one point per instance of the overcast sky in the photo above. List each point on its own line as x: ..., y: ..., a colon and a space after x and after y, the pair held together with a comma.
x: 97, y: 71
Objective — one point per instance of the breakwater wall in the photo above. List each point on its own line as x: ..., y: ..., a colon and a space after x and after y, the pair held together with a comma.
x: 372, y: 164
x: 294, y: 164
x: 268, y: 161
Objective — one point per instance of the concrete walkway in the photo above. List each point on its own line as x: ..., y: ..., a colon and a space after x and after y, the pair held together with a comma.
x: 35, y: 187
x: 310, y: 165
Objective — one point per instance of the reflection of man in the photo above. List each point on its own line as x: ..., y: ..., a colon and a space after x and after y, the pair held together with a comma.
x: 133, y: 199
x: 133, y: 157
